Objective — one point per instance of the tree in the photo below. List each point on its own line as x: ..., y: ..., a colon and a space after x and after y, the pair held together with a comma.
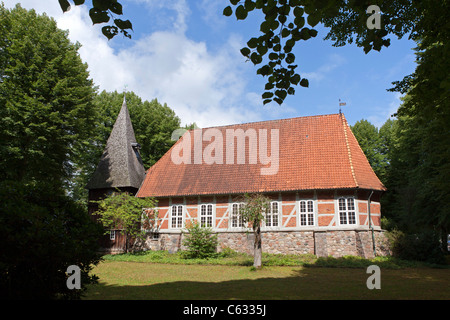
x: 46, y: 113
x: 123, y: 211
x: 46, y: 116
x: 253, y: 212
x: 374, y: 146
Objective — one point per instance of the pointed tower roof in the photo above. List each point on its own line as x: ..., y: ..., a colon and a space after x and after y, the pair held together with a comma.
x: 120, y: 164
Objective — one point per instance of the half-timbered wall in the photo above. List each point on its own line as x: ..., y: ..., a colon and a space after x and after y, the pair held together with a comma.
x: 321, y: 222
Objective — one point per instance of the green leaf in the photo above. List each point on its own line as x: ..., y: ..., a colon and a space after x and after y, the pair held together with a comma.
x: 249, y: 5
x: 234, y: 2
x: 285, y: 32
x: 267, y: 101
x: 290, y: 58
x: 65, y: 5
x: 241, y: 12
x: 299, y: 22
x: 123, y: 24
x: 304, y: 83
x: 274, y: 25
x: 262, y: 50
x: 298, y: 12
x: 265, y: 27
x: 245, y: 51
x: 227, y: 11
x: 116, y: 8
x: 313, y: 19
x: 295, y: 79
x: 101, y: 5
x: 264, y: 70
x: 281, y: 94
x: 304, y: 34
x: 269, y: 86
x: 253, y: 43
x: 255, y: 58
x: 313, y: 32
x: 273, y: 56
x: 109, y: 31
x: 278, y: 100
x: 267, y: 95
x: 98, y: 16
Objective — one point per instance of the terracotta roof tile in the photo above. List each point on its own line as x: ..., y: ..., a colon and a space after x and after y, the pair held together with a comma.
x: 315, y: 152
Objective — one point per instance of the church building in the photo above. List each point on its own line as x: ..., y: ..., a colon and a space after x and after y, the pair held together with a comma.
x: 325, y: 197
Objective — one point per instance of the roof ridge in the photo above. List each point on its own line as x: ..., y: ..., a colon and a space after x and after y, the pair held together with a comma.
x: 349, y: 152
x: 273, y: 120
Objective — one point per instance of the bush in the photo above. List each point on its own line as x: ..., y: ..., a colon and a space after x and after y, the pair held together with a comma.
x: 424, y: 246
x: 42, y: 235
x: 200, y: 242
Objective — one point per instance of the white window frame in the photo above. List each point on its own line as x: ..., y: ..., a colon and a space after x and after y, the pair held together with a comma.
x: 269, y: 220
x: 236, y: 217
x: 206, y: 212
x: 112, y: 235
x: 306, y: 213
x: 179, y: 219
x: 347, y: 211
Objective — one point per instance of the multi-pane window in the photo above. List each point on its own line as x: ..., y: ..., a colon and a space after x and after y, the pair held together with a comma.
x: 177, y: 216
x: 112, y: 235
x: 236, y: 218
x: 206, y: 215
x: 272, y: 215
x: 306, y: 212
x: 347, y: 214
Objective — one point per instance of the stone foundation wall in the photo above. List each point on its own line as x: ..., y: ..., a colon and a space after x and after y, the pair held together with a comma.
x: 321, y: 243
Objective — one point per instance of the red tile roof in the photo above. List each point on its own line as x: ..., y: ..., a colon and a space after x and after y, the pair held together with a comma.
x: 315, y: 152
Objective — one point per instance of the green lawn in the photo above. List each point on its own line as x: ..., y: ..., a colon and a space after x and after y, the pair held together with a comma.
x: 166, y: 281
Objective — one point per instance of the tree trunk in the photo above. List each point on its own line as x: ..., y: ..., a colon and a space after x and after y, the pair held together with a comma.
x: 257, y: 252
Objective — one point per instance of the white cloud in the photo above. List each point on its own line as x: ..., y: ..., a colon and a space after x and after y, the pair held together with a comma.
x: 383, y: 113
x: 334, y: 61
x: 201, y: 86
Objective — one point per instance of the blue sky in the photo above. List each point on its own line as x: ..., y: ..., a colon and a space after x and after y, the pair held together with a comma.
x: 186, y: 53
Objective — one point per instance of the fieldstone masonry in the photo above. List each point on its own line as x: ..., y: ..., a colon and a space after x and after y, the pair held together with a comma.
x: 321, y: 243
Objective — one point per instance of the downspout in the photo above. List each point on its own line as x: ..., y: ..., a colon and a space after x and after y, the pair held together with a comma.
x: 370, y: 224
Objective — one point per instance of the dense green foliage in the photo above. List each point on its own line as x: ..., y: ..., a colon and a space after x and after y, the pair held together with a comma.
x: 42, y: 234
x: 46, y: 115
x: 200, y: 242
x: 46, y: 97
x: 423, y: 246
x: 375, y: 144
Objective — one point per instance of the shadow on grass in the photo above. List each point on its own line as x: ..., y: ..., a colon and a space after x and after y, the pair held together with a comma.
x: 301, y: 284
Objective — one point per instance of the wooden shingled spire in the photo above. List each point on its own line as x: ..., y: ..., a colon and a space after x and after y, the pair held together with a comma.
x: 120, y: 165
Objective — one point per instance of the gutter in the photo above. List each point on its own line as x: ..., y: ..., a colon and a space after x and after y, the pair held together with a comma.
x: 370, y: 224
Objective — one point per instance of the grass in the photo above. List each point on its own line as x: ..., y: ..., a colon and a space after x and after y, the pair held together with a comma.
x: 229, y: 257
x: 163, y: 276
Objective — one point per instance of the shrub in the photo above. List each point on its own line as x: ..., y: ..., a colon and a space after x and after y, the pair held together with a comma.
x: 200, y: 242
x: 424, y: 246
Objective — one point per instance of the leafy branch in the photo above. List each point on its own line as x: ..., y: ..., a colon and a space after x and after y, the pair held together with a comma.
x: 283, y: 26
x: 104, y: 11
